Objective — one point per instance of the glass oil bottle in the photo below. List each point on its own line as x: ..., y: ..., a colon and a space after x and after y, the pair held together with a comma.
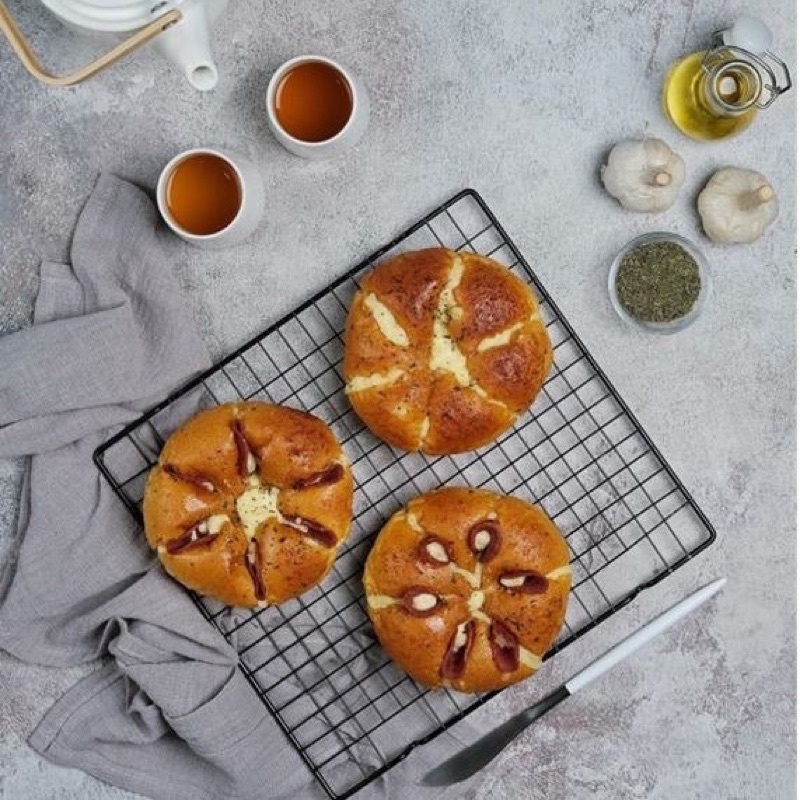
x: 718, y: 93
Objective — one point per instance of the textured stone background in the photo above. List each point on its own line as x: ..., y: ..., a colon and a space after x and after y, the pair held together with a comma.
x: 519, y: 100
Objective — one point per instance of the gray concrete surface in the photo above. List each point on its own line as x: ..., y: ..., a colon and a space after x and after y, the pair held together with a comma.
x: 519, y: 100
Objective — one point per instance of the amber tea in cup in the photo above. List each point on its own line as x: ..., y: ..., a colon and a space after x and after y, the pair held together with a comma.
x: 203, y: 195
x: 313, y: 101
x: 211, y: 198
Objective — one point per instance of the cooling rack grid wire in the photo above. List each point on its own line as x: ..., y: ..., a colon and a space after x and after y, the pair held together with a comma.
x: 579, y: 453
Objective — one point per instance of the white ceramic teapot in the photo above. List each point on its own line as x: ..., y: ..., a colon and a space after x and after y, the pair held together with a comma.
x: 180, y: 30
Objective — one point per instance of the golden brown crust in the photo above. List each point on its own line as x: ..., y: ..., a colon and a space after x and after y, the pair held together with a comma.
x: 475, y: 587
x: 370, y: 352
x: 459, y: 350
x: 407, y: 405
x: 461, y: 420
x: 427, y: 638
x: 409, y: 285
x: 493, y: 299
x: 449, y: 512
x: 200, y: 478
x: 514, y: 373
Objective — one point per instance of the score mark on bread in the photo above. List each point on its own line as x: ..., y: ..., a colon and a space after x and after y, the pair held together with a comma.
x: 443, y: 350
x: 505, y: 336
x: 363, y: 382
x: 386, y: 322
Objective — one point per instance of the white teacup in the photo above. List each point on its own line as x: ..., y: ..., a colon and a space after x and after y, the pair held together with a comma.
x: 353, y: 129
x: 251, y: 201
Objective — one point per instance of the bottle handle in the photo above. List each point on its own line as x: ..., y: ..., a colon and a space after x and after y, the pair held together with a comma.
x: 19, y: 43
x: 787, y: 78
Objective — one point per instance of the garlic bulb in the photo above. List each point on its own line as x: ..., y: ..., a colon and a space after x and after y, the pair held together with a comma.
x: 644, y: 175
x: 737, y: 206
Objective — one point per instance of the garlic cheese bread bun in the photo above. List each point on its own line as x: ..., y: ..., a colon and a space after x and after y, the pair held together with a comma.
x: 468, y: 589
x: 443, y: 350
x: 249, y: 502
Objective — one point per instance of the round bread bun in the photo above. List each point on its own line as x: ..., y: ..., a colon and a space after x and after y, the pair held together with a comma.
x: 468, y: 589
x: 249, y: 502
x: 443, y: 350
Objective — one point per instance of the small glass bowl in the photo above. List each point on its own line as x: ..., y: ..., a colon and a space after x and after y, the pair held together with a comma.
x: 677, y: 324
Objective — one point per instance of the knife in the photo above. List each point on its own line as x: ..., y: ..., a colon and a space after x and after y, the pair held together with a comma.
x: 473, y: 758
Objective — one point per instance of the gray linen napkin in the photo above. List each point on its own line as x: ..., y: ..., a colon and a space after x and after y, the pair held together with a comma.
x: 169, y: 714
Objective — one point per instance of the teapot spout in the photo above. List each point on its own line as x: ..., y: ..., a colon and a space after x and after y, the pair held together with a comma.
x: 187, y: 44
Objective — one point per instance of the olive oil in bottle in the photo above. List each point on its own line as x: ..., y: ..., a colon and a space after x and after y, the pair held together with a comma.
x: 718, y: 93
x: 710, y: 108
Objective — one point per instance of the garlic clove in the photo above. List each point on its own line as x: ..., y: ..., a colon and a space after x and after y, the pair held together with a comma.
x: 644, y: 175
x: 737, y: 206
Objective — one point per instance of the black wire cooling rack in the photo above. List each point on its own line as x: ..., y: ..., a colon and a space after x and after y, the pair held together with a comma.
x: 579, y: 452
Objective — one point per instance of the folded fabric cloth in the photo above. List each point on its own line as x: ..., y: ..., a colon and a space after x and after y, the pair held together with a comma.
x: 168, y: 714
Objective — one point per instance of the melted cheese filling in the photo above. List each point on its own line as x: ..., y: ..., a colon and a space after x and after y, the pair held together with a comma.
x: 379, y: 601
x: 475, y: 602
x: 504, y: 337
x: 559, y: 572
x: 445, y: 354
x: 482, y: 393
x: 472, y: 578
x: 460, y: 639
x: 216, y: 522
x: 413, y: 522
x: 384, y: 319
x: 423, y: 429
x: 499, y: 339
x: 363, y: 382
x: 446, y: 357
x: 529, y: 659
x: 255, y: 506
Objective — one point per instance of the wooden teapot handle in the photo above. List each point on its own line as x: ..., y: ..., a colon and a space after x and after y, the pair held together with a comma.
x: 29, y: 60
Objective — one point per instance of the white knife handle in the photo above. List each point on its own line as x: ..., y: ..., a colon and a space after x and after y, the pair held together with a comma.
x: 641, y: 637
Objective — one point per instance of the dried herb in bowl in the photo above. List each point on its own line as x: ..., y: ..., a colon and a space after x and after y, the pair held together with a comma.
x: 658, y: 281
